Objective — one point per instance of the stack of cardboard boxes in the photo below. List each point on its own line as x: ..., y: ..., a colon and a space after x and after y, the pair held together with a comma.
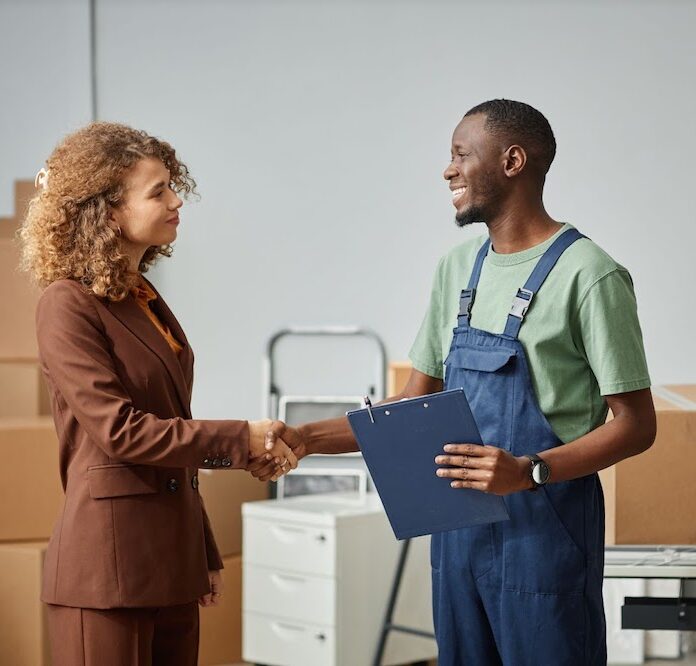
x: 30, y: 490
x: 31, y: 494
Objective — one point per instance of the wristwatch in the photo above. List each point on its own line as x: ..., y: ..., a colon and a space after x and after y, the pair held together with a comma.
x: 539, y: 471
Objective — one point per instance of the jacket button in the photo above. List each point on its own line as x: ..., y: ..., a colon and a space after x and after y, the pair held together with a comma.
x: 194, y: 481
x: 172, y: 485
x: 226, y: 462
x: 216, y: 462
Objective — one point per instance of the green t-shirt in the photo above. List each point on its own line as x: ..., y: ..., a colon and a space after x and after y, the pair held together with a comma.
x: 581, y: 334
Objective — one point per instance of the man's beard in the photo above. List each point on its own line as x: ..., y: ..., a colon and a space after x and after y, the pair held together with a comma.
x: 472, y: 215
x: 489, y: 194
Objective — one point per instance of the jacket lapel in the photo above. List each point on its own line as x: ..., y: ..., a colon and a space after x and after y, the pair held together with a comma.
x: 135, y: 320
x: 185, y: 357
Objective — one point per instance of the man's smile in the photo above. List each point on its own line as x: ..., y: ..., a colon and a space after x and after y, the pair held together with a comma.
x: 457, y: 193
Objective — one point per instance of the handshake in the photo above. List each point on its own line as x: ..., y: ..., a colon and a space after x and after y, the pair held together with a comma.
x: 274, y: 449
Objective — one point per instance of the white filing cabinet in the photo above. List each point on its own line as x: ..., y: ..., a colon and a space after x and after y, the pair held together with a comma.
x: 318, y: 571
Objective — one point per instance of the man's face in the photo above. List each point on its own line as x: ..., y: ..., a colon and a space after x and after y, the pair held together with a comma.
x: 474, y: 174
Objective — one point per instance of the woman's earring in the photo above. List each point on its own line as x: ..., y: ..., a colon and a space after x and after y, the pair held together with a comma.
x: 118, y: 231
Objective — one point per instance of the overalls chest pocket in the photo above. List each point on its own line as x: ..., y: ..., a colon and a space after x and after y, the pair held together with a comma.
x: 488, y: 377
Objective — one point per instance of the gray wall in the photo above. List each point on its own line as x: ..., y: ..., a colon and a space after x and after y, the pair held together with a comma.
x: 318, y: 132
x: 44, y: 83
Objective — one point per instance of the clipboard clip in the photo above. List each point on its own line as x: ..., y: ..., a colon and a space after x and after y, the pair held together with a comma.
x: 368, y: 406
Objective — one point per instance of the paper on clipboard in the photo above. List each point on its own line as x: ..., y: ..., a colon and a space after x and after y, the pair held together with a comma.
x: 399, y: 442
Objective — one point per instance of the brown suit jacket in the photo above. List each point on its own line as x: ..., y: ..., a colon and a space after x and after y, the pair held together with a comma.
x: 133, y: 531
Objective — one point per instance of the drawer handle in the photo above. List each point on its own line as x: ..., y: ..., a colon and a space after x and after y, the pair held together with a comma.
x: 288, y: 627
x: 287, y: 533
x: 321, y: 637
x: 321, y: 538
x: 282, y: 578
x: 285, y: 528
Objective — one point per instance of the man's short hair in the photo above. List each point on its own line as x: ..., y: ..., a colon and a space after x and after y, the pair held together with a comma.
x: 521, y: 124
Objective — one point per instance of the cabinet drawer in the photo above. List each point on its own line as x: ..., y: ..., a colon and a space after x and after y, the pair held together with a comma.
x: 289, y: 595
x: 278, y: 642
x: 290, y: 547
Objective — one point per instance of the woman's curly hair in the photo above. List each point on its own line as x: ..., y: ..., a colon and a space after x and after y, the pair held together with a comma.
x: 66, y: 231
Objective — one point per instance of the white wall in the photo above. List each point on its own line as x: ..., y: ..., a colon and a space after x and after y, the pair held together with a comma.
x: 44, y: 84
x: 318, y: 132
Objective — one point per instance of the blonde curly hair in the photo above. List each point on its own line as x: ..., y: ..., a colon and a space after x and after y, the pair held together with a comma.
x: 66, y: 231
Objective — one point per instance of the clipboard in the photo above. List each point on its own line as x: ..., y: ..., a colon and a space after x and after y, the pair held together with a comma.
x: 399, y: 442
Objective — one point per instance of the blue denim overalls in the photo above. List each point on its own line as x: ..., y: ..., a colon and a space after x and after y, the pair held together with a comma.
x: 527, y: 591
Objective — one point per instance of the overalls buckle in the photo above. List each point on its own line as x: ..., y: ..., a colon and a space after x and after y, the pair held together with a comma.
x: 521, y: 303
x: 466, y: 301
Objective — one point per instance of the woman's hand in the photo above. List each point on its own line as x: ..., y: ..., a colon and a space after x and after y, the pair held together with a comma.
x: 216, y: 587
x: 268, y: 450
x: 265, y: 469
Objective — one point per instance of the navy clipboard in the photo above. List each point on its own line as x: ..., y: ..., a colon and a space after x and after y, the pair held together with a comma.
x: 399, y: 442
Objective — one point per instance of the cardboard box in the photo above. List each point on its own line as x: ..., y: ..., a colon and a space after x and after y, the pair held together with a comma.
x: 221, y: 626
x: 23, y: 191
x: 398, y: 373
x: 8, y: 228
x: 223, y: 492
x: 31, y: 493
x: 23, y: 390
x: 649, y: 497
x: 18, y: 298
x: 23, y: 631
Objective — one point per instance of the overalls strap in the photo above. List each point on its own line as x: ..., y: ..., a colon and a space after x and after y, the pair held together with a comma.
x: 466, y: 299
x: 523, y: 299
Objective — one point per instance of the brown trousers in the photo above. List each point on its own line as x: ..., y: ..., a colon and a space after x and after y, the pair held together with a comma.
x: 124, y: 636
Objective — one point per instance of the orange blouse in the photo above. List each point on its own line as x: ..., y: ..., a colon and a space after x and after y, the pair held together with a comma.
x: 143, y: 295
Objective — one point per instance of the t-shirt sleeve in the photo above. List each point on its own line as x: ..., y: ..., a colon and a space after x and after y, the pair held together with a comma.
x: 426, y: 352
x: 610, y: 334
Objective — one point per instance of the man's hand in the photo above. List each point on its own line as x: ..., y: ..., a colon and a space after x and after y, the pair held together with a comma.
x: 264, y: 468
x: 486, y: 468
x: 216, y: 587
x: 268, y: 450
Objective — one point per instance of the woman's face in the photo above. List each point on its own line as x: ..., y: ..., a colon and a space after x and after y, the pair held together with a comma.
x: 149, y: 213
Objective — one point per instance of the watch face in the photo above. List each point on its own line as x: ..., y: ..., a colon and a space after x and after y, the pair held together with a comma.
x: 540, y: 473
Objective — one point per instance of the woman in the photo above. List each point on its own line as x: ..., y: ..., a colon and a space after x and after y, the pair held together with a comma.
x: 132, y: 551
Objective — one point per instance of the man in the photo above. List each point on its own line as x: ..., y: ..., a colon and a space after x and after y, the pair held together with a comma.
x: 539, y: 376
